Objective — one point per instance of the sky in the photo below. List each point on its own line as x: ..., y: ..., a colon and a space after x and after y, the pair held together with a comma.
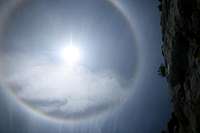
x: 115, y: 88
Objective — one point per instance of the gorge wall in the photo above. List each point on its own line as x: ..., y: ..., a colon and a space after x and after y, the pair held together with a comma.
x: 180, y: 24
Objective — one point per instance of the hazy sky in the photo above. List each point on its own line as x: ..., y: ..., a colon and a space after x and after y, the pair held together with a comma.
x: 118, y: 61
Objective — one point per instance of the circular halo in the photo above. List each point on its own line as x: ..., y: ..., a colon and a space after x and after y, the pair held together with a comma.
x: 13, y: 6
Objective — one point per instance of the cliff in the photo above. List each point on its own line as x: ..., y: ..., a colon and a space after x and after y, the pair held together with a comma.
x: 180, y: 24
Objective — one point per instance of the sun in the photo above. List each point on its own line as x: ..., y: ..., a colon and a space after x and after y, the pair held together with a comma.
x: 71, y: 54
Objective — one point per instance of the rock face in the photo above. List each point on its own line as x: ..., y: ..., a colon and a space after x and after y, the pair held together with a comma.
x: 180, y: 24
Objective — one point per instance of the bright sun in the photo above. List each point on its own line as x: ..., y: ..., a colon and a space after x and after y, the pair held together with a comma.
x: 71, y: 54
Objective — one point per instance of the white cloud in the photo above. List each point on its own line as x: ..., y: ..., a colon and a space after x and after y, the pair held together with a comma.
x: 67, y: 89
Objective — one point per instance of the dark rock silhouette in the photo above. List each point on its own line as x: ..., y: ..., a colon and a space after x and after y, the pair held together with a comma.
x: 180, y: 24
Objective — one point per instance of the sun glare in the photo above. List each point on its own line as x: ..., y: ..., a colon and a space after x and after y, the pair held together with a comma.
x: 71, y: 54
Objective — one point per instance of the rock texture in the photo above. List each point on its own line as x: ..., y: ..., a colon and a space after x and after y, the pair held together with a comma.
x: 180, y: 24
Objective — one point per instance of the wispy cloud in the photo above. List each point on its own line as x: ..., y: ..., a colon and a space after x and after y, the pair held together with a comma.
x: 56, y: 88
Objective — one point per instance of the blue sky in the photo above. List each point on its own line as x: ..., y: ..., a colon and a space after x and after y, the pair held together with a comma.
x: 146, y: 110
